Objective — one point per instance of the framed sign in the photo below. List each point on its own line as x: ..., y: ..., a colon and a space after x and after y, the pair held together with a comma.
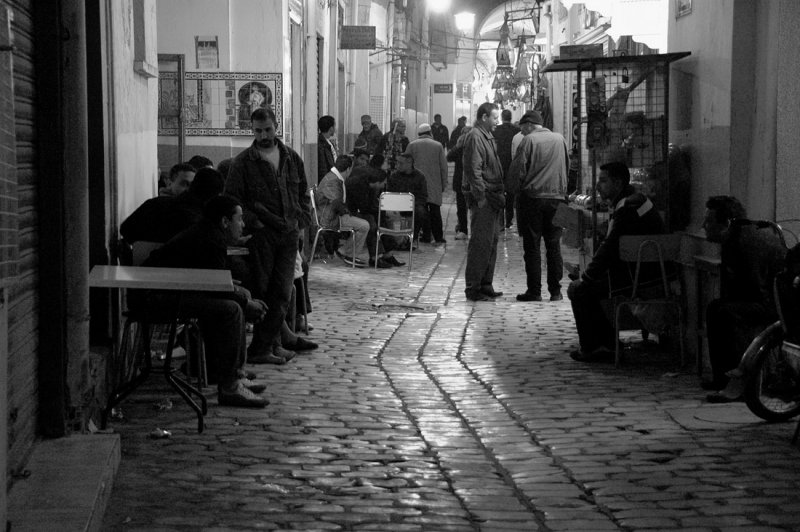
x: 443, y: 88
x: 207, y: 51
x: 220, y: 103
x: 682, y: 7
x: 357, y: 38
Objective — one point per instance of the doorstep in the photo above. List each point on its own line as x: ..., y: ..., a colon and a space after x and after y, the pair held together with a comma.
x: 69, y: 484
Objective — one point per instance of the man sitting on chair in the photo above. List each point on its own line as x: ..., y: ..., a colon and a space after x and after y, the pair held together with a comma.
x: 632, y: 214
x: 221, y: 316
x: 408, y: 179
x: 331, y: 198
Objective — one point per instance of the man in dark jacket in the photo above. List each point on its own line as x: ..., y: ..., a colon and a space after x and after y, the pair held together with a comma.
x: 484, y: 192
x: 221, y: 316
x: 462, y: 121
x: 439, y: 131
x: 269, y: 179
x: 750, y: 259
x: 370, y: 135
x: 504, y: 134
x: 393, y: 143
x: 408, y: 179
x: 326, y: 146
x: 633, y: 214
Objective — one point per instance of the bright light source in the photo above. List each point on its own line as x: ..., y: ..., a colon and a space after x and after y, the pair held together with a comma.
x: 465, y: 21
x: 439, y: 6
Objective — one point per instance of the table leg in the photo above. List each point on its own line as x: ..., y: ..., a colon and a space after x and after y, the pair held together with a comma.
x: 124, y: 389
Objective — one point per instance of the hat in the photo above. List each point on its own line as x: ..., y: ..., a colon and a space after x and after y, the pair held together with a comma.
x: 462, y: 118
x: 531, y: 117
x: 423, y: 128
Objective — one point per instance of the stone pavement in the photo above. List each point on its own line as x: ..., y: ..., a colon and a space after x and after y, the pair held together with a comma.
x: 424, y: 411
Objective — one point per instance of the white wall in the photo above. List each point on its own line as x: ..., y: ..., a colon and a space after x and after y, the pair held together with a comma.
x: 134, y: 122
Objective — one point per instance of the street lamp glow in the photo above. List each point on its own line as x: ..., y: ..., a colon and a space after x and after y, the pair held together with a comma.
x: 465, y: 21
x: 439, y: 6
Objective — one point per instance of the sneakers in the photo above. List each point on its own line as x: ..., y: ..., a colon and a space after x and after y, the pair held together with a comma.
x: 282, y: 352
x: 461, y: 236
x: 240, y: 396
x: 527, y: 296
x: 271, y: 355
x: 350, y: 260
x: 301, y: 344
x: 255, y: 387
x: 393, y: 261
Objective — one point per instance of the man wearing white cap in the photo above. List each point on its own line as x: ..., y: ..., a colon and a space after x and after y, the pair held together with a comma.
x: 430, y: 159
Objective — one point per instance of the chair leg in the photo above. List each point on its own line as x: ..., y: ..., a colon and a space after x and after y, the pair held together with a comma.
x: 313, y: 249
x: 353, y: 236
x: 617, y: 350
x: 303, y: 305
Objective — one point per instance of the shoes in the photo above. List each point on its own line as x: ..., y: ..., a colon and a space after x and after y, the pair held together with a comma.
x: 461, y: 236
x: 300, y: 324
x: 479, y: 297
x: 350, y: 260
x: 243, y: 374
x: 556, y: 296
x: 599, y: 354
x: 301, y: 344
x: 720, y: 398
x: 393, y: 261
x: 255, y: 387
x: 286, y: 354
x: 527, y: 296
x: 490, y: 292
x: 241, y: 396
x: 382, y: 263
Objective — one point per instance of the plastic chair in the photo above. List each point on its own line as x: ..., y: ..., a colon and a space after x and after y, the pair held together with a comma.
x: 320, y: 229
x: 657, y: 313
x: 402, y: 202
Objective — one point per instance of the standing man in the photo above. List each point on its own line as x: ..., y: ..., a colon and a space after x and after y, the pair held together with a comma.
x: 326, y: 146
x: 393, y: 143
x: 504, y: 135
x: 439, y: 131
x: 462, y: 121
x: 269, y: 179
x: 432, y: 162
x: 370, y: 135
x: 541, y: 162
x: 483, y: 189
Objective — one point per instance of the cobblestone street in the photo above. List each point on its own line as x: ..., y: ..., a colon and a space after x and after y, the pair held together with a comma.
x: 422, y: 411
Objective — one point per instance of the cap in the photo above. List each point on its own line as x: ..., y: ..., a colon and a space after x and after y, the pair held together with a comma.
x: 423, y: 128
x: 462, y: 118
x: 366, y: 118
x: 531, y: 117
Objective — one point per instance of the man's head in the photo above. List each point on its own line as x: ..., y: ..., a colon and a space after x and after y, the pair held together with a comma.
x: 207, y: 184
x: 424, y: 130
x: 198, y: 162
x: 399, y: 126
x: 360, y: 158
x: 487, y: 116
x: 614, y: 178
x: 343, y: 163
x: 263, y: 124
x: 180, y: 177
x: 327, y: 126
x: 505, y: 116
x: 462, y: 121
x: 530, y: 120
x: 366, y: 122
x: 224, y: 167
x: 437, y: 118
x: 720, y: 210
x: 376, y: 178
x: 226, y: 213
x: 405, y: 163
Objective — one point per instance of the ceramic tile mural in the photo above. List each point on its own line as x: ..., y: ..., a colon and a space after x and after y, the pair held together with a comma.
x: 218, y: 103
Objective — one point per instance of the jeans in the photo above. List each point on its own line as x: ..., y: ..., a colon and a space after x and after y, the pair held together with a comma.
x: 594, y: 329
x: 433, y: 223
x: 731, y: 326
x: 511, y: 201
x: 461, y: 212
x: 534, y: 223
x: 361, y: 228
x: 482, y: 248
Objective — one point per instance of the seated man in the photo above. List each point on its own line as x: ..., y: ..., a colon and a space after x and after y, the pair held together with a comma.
x: 632, y: 214
x: 221, y: 316
x: 408, y: 179
x: 751, y: 258
x: 332, y: 210
x: 159, y: 219
x: 364, y: 187
x: 178, y: 181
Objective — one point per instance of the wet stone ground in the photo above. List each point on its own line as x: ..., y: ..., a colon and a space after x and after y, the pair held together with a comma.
x: 422, y: 411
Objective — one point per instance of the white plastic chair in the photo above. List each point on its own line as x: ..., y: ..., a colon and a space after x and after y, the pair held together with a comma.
x: 320, y: 229
x: 402, y: 202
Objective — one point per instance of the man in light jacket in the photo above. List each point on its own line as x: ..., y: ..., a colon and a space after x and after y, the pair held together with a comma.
x: 540, y: 164
x: 430, y: 159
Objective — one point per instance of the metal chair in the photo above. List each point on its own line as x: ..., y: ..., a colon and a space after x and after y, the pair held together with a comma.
x: 320, y: 229
x: 402, y: 202
x: 642, y: 249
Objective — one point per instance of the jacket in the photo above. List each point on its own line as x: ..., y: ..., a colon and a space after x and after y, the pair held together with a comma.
x: 635, y: 215
x: 750, y: 260
x: 440, y: 134
x: 371, y: 138
x: 483, y: 175
x: 429, y: 158
x: 361, y: 198
x: 325, y: 158
x: 503, y: 135
x: 414, y: 182
x: 455, y: 156
x: 271, y: 201
x: 541, y: 164
x: 330, y: 200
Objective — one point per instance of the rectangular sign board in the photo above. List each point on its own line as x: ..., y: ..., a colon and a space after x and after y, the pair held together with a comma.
x: 579, y: 51
x: 358, y: 38
x: 443, y: 88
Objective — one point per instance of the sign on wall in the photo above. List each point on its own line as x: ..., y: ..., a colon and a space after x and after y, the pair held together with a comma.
x: 220, y: 103
x: 357, y: 38
x: 206, y: 51
x: 443, y: 88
